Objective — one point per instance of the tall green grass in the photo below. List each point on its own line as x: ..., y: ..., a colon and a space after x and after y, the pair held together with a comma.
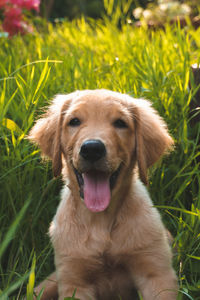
x: 77, y: 55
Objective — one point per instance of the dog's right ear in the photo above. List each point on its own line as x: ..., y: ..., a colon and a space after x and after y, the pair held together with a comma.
x: 47, y: 131
x: 152, y: 137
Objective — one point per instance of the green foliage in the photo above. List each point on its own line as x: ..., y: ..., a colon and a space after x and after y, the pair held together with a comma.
x: 76, y: 8
x: 153, y: 65
x: 73, y: 297
x: 87, y: 8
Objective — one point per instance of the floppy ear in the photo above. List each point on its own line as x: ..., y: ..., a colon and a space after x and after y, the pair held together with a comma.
x: 47, y: 131
x: 152, y: 136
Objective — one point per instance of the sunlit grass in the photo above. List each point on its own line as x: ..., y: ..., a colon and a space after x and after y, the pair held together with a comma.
x: 70, y: 56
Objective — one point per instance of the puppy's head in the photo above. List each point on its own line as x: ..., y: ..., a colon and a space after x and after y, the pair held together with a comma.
x: 102, y: 136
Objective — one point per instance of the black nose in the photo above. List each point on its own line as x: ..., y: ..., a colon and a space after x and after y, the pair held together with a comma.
x: 92, y: 150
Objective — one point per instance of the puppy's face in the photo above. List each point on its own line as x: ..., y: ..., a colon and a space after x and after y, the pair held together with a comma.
x: 101, y: 135
x: 98, y: 143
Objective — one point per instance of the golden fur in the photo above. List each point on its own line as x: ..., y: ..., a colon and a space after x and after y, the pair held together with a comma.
x: 104, y: 255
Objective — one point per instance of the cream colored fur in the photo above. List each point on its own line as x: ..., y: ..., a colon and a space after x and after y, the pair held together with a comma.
x: 104, y: 254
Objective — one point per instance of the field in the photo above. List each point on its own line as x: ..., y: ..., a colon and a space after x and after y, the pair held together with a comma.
x: 60, y: 59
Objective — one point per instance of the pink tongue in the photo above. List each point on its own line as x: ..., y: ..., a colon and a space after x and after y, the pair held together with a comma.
x: 96, y: 191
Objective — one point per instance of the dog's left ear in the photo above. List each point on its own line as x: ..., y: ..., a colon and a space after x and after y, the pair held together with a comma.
x: 47, y: 131
x: 152, y: 136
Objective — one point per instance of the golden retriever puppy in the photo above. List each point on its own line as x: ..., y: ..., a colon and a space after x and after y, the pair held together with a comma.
x: 108, y: 238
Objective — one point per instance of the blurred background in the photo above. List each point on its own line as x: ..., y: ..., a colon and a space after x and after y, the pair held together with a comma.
x: 154, y: 13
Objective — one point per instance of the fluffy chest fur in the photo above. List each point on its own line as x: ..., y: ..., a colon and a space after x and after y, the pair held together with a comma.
x: 104, y: 232
x: 102, y: 247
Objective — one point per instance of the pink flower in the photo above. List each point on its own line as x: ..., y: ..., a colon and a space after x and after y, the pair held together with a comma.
x: 31, y: 4
x: 13, y: 12
x: 13, y: 15
x: 3, y: 3
x: 13, y: 20
x: 26, y: 4
x: 16, y: 2
x: 13, y: 26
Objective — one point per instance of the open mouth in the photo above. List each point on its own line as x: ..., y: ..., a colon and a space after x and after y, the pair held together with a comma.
x: 95, y: 188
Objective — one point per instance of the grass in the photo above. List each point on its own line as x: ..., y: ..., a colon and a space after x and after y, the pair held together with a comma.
x: 77, y: 55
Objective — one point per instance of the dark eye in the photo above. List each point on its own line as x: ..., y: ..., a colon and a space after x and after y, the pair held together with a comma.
x: 74, y: 122
x: 120, y: 124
